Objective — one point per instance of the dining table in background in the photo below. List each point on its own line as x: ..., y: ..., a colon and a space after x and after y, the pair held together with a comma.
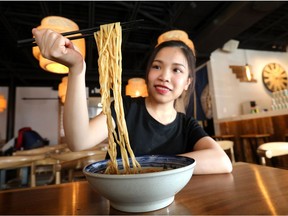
x: 249, y: 190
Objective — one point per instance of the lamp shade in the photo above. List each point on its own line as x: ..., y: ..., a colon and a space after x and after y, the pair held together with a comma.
x: 58, y: 24
x: 176, y: 35
x: 248, y: 73
x: 136, y: 87
x: 3, y: 103
x: 62, y: 88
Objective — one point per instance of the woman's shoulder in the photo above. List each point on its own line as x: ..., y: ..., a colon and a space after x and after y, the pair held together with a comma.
x: 185, y: 117
x: 192, y: 127
x: 128, y: 101
x: 133, y: 103
x: 188, y: 121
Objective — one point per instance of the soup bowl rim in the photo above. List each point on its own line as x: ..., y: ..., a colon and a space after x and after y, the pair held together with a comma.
x: 191, y: 163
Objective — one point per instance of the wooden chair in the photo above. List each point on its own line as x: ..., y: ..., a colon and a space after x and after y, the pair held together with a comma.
x: 228, y: 145
x: 249, y: 145
x: 74, y: 160
x: 16, y: 162
x: 224, y: 137
x: 272, y: 149
x: 45, y: 168
x: 54, y: 156
x: 74, y: 167
x: 46, y: 150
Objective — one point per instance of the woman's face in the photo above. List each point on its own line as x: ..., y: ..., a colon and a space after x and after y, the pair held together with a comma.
x: 168, y: 75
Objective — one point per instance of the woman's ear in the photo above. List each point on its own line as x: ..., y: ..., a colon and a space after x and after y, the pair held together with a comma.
x: 188, y: 83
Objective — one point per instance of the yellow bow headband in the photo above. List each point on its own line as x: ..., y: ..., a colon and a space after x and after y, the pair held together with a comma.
x: 176, y: 35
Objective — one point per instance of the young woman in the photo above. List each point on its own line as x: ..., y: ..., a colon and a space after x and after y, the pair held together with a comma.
x: 154, y: 125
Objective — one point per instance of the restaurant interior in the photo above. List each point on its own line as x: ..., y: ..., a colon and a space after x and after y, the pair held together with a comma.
x: 241, y: 109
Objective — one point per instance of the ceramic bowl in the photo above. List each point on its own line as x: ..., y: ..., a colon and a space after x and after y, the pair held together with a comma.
x: 146, y: 191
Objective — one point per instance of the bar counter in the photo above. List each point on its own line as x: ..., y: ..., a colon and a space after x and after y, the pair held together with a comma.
x: 249, y: 189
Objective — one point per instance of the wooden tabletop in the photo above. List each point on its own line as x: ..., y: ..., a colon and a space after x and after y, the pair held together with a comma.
x: 250, y: 189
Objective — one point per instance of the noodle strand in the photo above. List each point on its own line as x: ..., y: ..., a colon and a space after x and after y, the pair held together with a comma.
x: 108, y: 40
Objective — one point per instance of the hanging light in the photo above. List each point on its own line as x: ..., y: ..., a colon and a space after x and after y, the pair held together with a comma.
x: 3, y: 103
x: 243, y: 73
x: 136, y: 88
x: 176, y: 35
x: 58, y: 24
x: 248, y: 73
x: 62, y: 88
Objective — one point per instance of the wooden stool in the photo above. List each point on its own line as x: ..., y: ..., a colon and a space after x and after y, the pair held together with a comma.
x: 272, y: 149
x: 223, y: 137
x: 250, y: 143
x: 228, y: 145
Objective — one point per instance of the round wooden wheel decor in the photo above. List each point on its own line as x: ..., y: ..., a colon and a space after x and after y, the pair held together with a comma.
x: 274, y: 77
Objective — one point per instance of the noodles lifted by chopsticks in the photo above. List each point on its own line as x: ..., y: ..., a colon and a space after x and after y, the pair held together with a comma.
x: 108, y: 40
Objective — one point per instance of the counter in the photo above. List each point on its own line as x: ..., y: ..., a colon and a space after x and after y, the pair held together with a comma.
x: 274, y: 123
x: 254, y: 116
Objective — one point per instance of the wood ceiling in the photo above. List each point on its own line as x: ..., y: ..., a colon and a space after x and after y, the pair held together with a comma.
x: 256, y: 25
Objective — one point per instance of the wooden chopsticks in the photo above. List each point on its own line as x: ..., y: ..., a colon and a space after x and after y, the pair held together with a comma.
x: 30, y: 42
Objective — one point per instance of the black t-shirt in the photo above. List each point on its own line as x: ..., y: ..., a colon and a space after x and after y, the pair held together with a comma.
x: 148, y: 136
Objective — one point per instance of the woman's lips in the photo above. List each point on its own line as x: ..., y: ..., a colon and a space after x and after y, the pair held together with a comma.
x: 162, y: 89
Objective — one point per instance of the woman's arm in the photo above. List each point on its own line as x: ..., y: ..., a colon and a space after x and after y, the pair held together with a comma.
x: 210, y: 157
x: 79, y: 131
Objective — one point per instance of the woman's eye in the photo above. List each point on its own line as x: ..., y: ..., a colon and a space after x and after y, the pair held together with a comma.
x: 155, y: 66
x: 177, y: 70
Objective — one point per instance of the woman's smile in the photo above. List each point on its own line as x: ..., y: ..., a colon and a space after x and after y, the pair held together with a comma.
x: 162, y: 89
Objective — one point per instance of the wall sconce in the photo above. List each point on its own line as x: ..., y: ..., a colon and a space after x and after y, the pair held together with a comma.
x: 62, y: 88
x: 243, y: 73
x: 136, y: 88
x: 3, y: 103
x: 58, y: 24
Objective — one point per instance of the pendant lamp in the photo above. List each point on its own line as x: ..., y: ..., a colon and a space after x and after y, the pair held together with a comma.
x: 249, y: 75
x: 58, y: 24
x: 136, y: 87
x: 3, y: 103
x: 62, y: 88
x: 176, y: 35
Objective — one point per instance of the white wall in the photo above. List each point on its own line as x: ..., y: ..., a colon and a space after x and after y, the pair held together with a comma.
x: 228, y: 93
x: 40, y: 115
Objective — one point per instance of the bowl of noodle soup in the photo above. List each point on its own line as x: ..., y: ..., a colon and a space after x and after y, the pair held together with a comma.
x: 160, y: 178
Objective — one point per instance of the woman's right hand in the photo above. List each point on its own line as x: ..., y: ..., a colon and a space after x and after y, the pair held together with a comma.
x: 57, y: 48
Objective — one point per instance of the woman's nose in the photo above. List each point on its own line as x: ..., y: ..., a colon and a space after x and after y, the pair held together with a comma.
x: 165, y: 75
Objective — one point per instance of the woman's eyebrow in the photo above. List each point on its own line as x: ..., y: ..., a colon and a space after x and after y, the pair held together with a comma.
x: 179, y: 64
x: 175, y: 64
x: 156, y: 60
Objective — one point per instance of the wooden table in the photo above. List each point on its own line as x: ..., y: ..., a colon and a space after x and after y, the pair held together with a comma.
x: 250, y: 189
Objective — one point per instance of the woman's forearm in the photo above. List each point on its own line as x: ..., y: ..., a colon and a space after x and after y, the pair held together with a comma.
x: 210, y: 161
x: 210, y: 157
x: 76, y: 117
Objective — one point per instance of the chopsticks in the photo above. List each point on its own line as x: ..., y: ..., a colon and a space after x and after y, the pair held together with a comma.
x: 30, y: 42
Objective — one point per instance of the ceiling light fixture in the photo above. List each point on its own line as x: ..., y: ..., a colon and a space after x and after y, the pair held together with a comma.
x: 243, y: 73
x: 136, y: 88
x: 58, y: 24
x: 3, y: 103
x: 62, y: 88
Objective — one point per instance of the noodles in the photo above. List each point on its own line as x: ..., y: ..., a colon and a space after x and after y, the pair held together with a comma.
x: 108, y: 40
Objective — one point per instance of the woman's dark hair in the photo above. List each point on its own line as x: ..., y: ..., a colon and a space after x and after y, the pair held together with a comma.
x: 191, y: 60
